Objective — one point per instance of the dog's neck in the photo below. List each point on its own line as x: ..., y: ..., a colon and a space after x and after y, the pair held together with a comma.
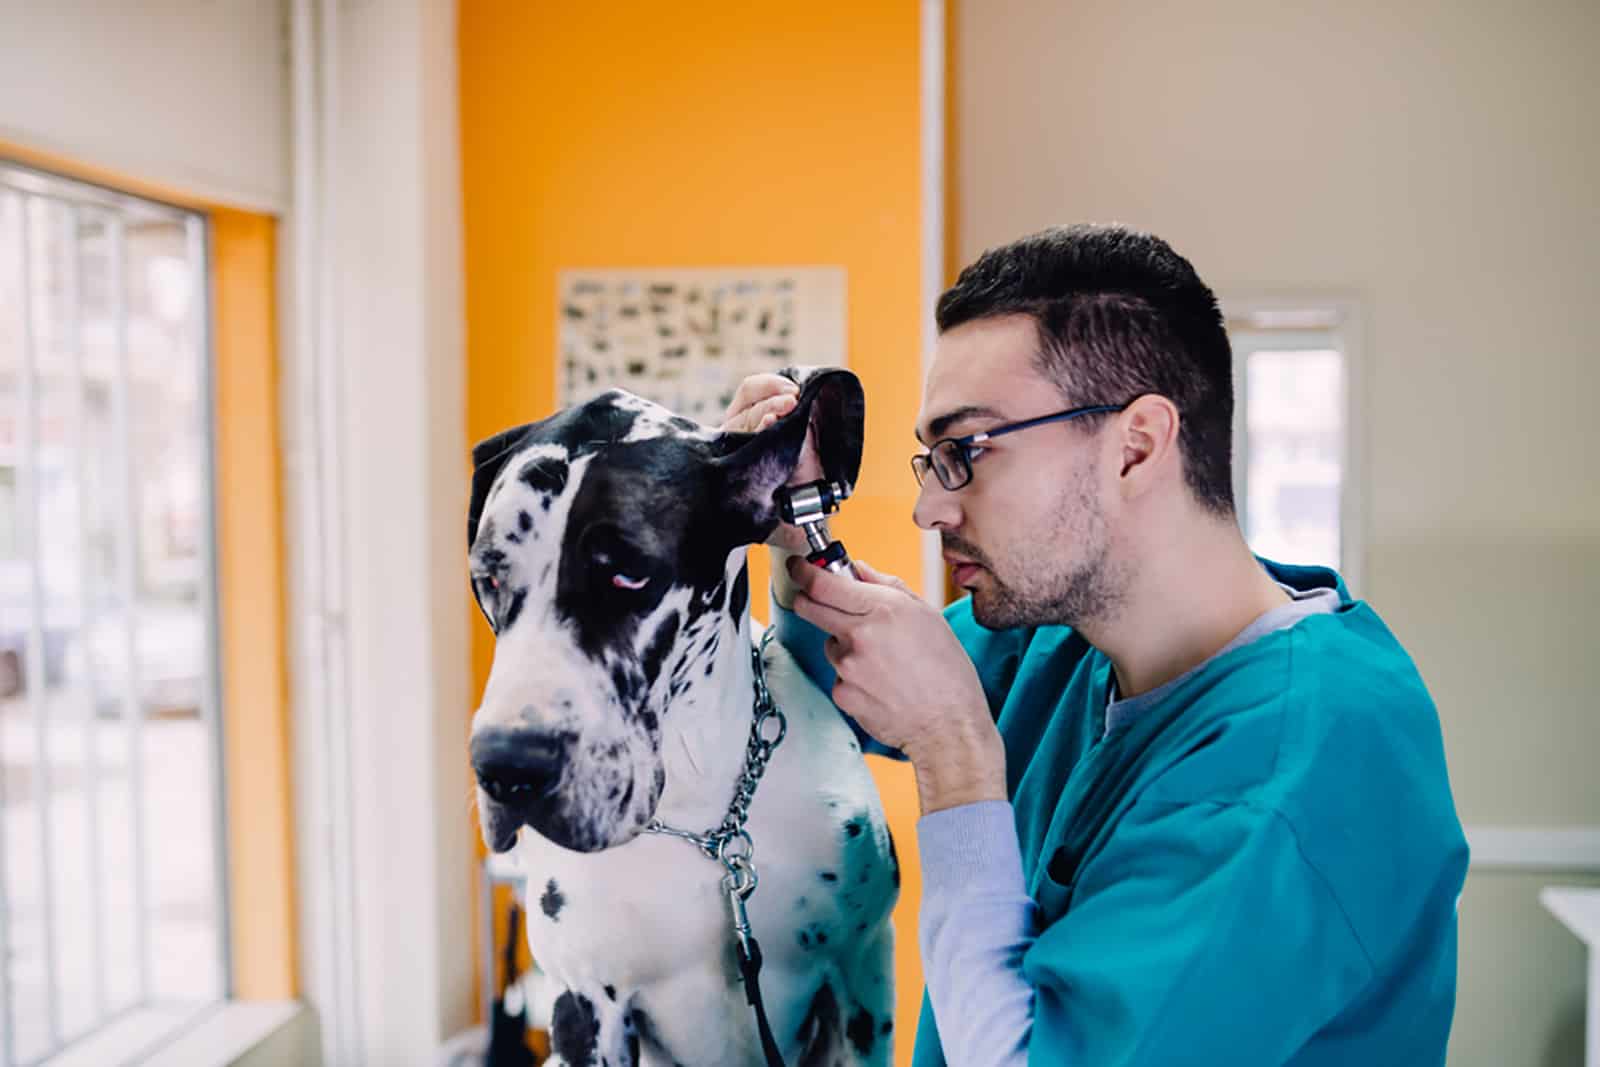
x: 706, y: 731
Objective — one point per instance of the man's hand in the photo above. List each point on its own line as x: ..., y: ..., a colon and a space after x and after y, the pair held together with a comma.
x: 760, y: 401
x: 906, y: 679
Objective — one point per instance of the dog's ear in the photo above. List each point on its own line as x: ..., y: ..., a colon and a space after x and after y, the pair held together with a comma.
x: 488, y: 459
x: 753, y: 467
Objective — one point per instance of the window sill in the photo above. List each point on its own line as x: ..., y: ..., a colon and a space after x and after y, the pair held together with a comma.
x: 253, y: 1033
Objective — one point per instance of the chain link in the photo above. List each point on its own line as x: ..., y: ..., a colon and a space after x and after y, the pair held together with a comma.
x: 718, y: 843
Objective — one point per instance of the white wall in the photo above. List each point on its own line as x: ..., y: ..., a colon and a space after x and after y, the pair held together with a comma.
x: 1439, y: 161
x: 192, y: 94
x: 377, y: 467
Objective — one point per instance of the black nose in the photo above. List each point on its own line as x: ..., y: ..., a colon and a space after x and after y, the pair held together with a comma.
x: 517, y: 766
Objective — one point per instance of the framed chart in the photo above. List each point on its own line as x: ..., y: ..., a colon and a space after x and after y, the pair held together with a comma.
x: 685, y: 337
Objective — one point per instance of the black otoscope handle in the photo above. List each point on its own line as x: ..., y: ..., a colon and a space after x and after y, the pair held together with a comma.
x: 833, y: 558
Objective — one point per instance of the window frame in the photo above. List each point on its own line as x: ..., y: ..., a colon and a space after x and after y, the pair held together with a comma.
x: 1286, y: 321
x: 27, y: 182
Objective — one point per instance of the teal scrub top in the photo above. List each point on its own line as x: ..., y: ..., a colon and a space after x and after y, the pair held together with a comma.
x: 1261, y: 868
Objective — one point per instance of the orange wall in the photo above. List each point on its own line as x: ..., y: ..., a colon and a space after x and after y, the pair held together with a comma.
x: 704, y: 134
x: 252, y: 578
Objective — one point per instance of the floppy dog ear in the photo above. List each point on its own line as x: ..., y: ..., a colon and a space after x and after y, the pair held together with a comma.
x: 755, y: 466
x: 488, y: 459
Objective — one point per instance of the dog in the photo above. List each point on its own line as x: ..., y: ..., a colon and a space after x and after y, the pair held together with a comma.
x: 607, y: 552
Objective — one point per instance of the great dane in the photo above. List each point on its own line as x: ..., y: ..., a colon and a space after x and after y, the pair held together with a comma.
x: 608, y: 551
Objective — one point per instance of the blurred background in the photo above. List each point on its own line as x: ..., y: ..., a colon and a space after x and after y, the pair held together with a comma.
x: 269, y: 267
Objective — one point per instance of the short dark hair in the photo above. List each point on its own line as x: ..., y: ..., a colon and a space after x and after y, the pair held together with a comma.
x: 1119, y: 314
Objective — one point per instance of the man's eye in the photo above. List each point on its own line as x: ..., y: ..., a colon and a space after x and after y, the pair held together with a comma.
x: 974, y: 451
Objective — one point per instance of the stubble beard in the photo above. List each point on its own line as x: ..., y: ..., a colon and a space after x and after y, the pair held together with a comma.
x: 1041, y: 589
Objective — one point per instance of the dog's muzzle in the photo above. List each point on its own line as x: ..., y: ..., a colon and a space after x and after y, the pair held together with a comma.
x: 518, y: 769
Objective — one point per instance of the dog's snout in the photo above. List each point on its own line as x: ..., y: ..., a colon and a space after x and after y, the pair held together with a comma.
x: 517, y: 765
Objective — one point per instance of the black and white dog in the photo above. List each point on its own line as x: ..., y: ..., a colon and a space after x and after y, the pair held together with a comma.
x: 608, y: 554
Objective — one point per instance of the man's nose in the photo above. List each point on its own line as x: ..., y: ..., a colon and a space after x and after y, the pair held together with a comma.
x: 517, y: 765
x: 937, y: 508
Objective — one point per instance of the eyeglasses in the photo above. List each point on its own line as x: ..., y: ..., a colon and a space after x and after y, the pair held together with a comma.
x: 950, y: 458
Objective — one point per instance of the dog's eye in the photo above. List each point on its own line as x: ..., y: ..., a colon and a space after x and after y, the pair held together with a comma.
x: 487, y: 586
x: 616, y: 562
x: 621, y: 574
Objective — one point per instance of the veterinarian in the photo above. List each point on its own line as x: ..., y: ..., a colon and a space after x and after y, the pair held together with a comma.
x: 1180, y: 805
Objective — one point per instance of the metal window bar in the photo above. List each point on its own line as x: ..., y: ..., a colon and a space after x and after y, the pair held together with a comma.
x: 22, y: 190
x: 12, y: 205
x: 128, y: 582
x: 91, y: 735
x: 199, y: 326
x: 37, y: 689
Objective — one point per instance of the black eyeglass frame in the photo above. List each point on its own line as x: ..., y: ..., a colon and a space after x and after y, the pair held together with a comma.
x: 957, y: 446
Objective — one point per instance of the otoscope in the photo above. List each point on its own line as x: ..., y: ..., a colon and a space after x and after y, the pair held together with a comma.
x: 808, y: 507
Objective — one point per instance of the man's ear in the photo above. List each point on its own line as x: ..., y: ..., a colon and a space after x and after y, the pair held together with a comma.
x: 1149, y: 440
x: 752, y: 467
x: 488, y: 459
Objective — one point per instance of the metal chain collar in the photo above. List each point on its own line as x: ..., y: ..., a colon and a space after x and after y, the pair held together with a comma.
x: 729, y: 843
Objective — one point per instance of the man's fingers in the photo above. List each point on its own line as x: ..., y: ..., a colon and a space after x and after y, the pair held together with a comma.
x: 834, y: 648
x: 824, y: 617
x: 759, y: 416
x: 868, y: 573
x: 844, y: 595
x: 746, y: 409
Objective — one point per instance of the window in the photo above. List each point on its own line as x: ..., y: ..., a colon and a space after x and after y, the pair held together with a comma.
x: 1293, y: 478
x: 111, y: 859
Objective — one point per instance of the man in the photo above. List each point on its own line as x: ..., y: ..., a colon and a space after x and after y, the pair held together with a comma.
x: 1180, y: 804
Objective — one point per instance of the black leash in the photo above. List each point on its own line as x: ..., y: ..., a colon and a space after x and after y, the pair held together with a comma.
x: 750, y: 971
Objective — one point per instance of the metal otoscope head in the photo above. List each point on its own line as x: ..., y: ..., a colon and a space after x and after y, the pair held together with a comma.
x: 803, y: 505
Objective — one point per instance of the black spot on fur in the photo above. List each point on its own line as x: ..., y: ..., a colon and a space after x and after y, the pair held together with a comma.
x: 574, y: 1029
x: 519, y: 596
x: 656, y: 651
x: 853, y: 828
x: 820, y: 1035
x: 546, y: 474
x: 524, y: 521
x: 739, y: 596
x: 624, y: 682
x: 552, y: 901
x: 862, y: 1032
x: 812, y: 935
x: 611, y: 992
x: 829, y: 876
x: 888, y: 1025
